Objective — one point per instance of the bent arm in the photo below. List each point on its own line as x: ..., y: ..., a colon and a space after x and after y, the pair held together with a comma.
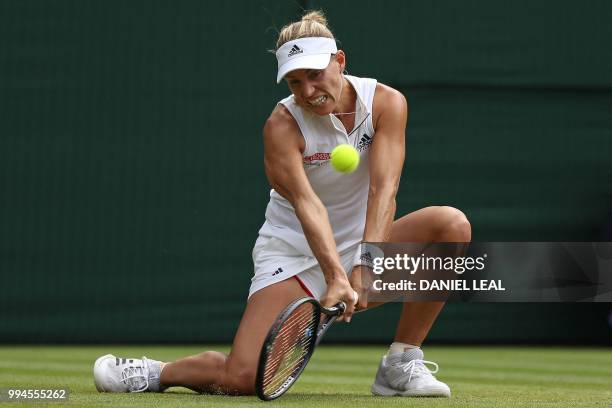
x: 283, y: 146
x: 386, y: 162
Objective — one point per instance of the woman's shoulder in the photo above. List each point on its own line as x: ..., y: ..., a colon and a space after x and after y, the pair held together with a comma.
x: 280, y: 117
x: 281, y: 126
x: 284, y: 113
x: 387, y: 99
x: 387, y: 93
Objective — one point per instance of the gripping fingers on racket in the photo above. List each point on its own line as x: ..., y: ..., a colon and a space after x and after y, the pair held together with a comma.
x: 345, y: 318
x: 334, y: 311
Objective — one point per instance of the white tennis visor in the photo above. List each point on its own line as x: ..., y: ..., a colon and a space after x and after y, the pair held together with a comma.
x: 304, y: 53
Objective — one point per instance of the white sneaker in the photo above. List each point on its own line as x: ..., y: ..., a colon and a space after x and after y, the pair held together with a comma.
x: 406, y: 374
x: 114, y: 374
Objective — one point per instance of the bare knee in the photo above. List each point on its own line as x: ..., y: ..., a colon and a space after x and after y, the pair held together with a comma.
x: 454, y: 227
x: 240, y: 381
x: 214, y: 362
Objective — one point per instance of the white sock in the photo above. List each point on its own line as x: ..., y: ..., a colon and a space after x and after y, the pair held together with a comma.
x: 397, y: 347
x: 161, y: 368
x: 155, y: 368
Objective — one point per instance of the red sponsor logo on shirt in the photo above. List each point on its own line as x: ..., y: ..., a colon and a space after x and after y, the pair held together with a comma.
x: 317, y: 156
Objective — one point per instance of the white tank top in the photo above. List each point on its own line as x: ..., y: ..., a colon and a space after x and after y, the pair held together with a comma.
x: 345, y: 196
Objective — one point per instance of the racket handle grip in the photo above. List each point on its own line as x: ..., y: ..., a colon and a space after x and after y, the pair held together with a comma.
x: 335, y: 310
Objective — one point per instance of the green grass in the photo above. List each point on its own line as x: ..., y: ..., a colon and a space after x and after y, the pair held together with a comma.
x: 340, y: 376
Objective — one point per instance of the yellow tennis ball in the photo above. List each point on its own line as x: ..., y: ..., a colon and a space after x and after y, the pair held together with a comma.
x: 345, y: 158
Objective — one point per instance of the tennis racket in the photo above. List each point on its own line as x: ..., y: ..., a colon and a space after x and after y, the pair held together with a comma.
x: 290, y: 344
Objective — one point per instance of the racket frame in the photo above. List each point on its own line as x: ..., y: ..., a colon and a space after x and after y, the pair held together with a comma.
x: 331, y: 313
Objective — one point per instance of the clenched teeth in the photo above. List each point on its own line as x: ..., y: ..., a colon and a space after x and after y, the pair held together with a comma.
x: 318, y: 101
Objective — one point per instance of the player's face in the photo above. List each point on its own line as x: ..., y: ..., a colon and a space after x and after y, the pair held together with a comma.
x: 318, y: 90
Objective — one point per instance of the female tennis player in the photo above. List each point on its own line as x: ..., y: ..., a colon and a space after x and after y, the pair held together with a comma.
x: 315, y: 222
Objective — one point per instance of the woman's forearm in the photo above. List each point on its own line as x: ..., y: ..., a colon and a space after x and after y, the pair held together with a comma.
x: 317, y: 229
x: 380, y: 214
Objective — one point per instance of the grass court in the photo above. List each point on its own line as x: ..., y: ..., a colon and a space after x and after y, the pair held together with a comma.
x: 338, y: 376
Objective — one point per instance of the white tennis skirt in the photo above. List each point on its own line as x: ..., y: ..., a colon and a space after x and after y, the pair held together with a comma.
x: 274, y: 260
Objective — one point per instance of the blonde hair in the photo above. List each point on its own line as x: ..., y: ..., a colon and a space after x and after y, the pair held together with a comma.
x: 312, y: 24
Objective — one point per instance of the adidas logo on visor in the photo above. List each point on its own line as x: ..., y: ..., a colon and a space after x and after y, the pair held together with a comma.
x: 295, y: 50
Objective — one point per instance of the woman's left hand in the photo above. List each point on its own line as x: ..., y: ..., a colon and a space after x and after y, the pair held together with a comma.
x: 361, y: 281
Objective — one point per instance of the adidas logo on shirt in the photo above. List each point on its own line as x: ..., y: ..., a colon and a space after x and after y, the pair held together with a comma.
x: 364, y: 142
x: 295, y: 50
x: 276, y: 272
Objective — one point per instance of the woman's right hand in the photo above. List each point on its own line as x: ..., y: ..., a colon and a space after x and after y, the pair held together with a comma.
x: 340, y: 290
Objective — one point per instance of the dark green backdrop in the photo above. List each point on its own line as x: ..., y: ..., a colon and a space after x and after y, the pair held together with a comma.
x: 131, y: 175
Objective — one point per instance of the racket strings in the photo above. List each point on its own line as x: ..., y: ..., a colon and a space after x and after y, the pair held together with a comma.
x: 290, y: 328
x: 290, y: 348
x: 292, y: 362
x: 282, y: 378
x: 280, y: 337
x: 291, y: 358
